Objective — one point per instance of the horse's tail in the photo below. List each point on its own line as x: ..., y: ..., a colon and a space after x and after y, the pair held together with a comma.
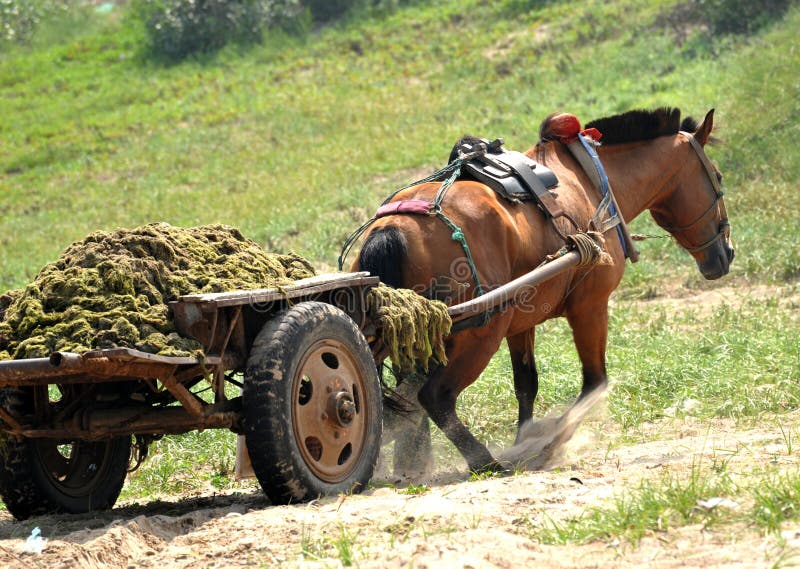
x: 383, y: 253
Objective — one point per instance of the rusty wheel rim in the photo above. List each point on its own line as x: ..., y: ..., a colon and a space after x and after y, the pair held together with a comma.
x: 329, y: 417
x: 75, y: 468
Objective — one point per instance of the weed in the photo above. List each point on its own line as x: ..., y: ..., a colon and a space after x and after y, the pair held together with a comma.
x: 474, y: 520
x: 344, y: 546
x: 652, y: 507
x: 310, y: 546
x: 776, y: 500
x: 788, y: 437
x: 417, y: 489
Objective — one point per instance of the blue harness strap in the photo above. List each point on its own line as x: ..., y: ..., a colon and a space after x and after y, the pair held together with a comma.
x: 592, y: 152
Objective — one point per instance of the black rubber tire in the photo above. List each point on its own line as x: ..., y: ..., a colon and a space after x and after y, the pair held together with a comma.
x: 280, y: 401
x: 29, y: 485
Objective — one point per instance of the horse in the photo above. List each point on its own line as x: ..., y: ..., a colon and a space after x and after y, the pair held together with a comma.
x: 654, y: 161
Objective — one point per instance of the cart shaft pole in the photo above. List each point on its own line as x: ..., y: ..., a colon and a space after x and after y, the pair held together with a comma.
x: 508, y: 292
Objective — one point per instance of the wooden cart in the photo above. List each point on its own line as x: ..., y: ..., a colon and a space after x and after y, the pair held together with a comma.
x: 302, y: 388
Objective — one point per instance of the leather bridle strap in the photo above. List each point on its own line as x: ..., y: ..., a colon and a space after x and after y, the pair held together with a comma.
x: 724, y: 226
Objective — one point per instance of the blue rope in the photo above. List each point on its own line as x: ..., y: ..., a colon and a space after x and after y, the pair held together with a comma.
x: 348, y: 244
x: 603, y: 185
x: 452, y: 171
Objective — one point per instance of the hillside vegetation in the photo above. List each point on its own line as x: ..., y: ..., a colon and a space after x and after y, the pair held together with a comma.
x: 296, y: 140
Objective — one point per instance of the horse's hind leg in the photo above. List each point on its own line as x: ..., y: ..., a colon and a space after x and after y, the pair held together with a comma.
x: 441, y: 406
x: 526, y: 378
x: 409, y: 427
x: 413, y: 455
x: 468, y: 356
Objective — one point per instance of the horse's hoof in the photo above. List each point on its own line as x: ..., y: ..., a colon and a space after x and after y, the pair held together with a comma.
x: 493, y: 468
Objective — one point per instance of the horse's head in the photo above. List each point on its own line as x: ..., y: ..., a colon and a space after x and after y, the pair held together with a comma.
x: 693, y: 211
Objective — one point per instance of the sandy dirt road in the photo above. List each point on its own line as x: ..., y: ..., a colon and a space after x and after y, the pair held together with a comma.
x: 457, y: 522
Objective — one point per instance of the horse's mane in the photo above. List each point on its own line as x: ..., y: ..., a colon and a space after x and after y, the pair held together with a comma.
x: 637, y: 125
x: 631, y: 126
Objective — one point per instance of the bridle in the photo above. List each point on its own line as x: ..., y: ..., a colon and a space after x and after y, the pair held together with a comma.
x: 724, y: 225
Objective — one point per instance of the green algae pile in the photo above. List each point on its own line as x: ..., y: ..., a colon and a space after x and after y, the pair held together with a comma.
x: 412, y: 327
x: 112, y: 289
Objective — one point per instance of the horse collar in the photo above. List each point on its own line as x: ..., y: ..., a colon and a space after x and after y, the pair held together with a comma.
x: 607, y: 215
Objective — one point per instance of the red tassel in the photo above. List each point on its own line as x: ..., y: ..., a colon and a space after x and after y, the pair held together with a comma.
x: 592, y: 133
x: 565, y: 128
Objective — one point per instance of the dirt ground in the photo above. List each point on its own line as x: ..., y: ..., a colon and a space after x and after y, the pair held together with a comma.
x: 457, y: 522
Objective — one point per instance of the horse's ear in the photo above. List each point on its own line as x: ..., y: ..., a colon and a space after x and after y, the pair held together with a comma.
x: 703, y: 133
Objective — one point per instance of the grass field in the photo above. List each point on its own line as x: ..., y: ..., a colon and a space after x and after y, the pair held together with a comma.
x: 296, y: 140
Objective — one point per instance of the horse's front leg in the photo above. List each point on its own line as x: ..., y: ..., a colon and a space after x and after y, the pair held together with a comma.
x: 589, y: 323
x: 526, y: 378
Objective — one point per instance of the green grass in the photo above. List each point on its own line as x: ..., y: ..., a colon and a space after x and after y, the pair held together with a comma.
x: 184, y: 464
x: 776, y: 500
x: 654, y: 506
x: 286, y: 139
x: 417, y: 489
x: 339, y: 546
x: 765, y: 501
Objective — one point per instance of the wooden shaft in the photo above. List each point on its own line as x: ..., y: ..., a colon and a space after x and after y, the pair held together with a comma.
x: 505, y: 293
x: 107, y: 423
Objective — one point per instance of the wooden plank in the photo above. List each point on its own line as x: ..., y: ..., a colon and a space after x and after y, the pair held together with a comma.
x: 304, y: 287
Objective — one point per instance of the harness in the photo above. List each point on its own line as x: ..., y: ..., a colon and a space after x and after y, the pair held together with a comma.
x: 517, y: 178
x: 514, y: 177
x: 724, y: 225
x: 607, y: 215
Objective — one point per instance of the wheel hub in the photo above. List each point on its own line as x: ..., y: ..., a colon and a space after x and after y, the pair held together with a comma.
x: 342, y: 408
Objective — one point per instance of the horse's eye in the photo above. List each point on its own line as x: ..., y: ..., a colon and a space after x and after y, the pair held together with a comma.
x: 719, y: 177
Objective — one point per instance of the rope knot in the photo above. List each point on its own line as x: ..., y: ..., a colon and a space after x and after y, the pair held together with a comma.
x: 591, y: 246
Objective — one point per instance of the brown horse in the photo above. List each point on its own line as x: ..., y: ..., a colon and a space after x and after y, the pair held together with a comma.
x: 651, y: 163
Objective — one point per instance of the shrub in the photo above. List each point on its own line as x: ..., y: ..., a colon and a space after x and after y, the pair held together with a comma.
x: 178, y: 28
x: 328, y: 10
x: 740, y: 16
x: 19, y: 18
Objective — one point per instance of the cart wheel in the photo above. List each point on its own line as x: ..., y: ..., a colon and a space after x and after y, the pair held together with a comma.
x: 312, y: 405
x: 40, y: 476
